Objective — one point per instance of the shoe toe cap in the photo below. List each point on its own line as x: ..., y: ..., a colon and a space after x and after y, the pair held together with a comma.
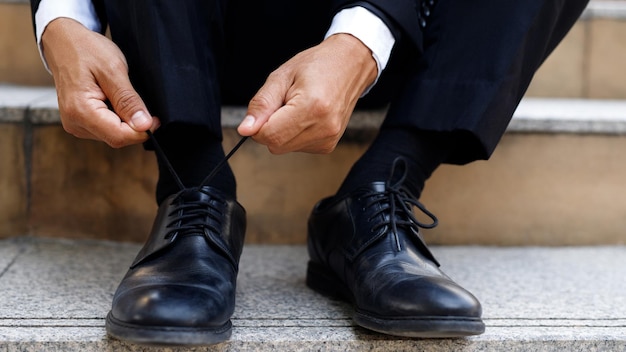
x: 425, y: 297
x: 173, y: 306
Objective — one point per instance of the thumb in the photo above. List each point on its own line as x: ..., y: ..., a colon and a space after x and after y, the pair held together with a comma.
x: 264, y: 104
x: 127, y: 103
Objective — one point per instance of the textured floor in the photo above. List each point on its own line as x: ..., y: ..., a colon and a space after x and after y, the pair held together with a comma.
x: 54, y: 295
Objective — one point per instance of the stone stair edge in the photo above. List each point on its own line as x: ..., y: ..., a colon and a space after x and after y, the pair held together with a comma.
x: 38, y: 106
x: 610, y: 9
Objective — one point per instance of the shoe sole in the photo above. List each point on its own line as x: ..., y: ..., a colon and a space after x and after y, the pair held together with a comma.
x: 167, y: 336
x: 325, y: 282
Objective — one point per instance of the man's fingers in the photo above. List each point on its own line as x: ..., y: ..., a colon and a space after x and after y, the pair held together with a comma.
x: 266, y: 101
x: 279, y: 131
x: 125, y: 100
x: 116, y: 133
x: 107, y: 127
x: 89, y: 70
x: 130, y: 108
x: 285, y: 133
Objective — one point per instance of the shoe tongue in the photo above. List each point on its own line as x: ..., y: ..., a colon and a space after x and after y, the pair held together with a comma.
x: 192, y: 195
x: 197, y: 194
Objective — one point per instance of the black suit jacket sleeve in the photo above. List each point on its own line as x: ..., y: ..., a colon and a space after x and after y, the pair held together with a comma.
x: 98, y: 4
x: 401, y: 16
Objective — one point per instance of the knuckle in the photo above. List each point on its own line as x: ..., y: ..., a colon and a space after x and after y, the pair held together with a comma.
x: 69, y: 107
x: 278, y: 74
x: 321, y: 106
x: 334, y: 129
x: 69, y: 122
x: 331, y: 129
x: 276, y: 151
x: 274, y: 140
x: 125, y: 101
x: 260, y: 101
x: 115, y: 66
x: 328, y: 149
x: 69, y: 128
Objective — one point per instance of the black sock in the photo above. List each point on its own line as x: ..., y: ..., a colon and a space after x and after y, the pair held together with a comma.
x: 424, y: 151
x: 193, y: 153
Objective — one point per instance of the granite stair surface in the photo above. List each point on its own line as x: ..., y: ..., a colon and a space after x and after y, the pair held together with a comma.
x: 55, y: 294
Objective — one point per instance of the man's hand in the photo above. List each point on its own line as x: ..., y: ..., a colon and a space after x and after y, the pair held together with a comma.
x: 89, y: 70
x: 305, y: 105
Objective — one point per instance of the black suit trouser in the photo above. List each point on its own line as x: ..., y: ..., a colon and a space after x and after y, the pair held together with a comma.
x: 465, y: 72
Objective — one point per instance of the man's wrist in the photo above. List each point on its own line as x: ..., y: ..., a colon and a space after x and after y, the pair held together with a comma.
x: 370, y: 30
x: 82, y: 11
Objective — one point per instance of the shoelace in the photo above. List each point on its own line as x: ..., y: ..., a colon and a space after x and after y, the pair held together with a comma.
x: 161, y: 155
x: 397, y: 203
x: 398, y: 199
x: 193, y: 215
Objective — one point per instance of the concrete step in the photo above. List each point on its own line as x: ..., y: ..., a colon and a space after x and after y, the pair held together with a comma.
x: 557, y: 178
x: 56, y: 294
x: 587, y: 64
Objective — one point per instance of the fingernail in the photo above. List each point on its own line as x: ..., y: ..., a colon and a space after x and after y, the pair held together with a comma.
x: 248, y: 121
x: 140, y: 118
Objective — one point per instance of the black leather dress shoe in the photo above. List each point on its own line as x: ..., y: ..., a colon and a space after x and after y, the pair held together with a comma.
x: 180, y: 289
x: 366, y: 248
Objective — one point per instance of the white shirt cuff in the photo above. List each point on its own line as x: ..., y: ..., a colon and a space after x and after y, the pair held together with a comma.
x: 82, y: 11
x: 370, y: 30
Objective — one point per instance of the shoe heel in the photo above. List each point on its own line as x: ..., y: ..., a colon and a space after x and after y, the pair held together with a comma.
x: 321, y: 280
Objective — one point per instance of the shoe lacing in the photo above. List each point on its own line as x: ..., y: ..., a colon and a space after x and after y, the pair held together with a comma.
x: 193, y: 216
x: 395, y: 205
